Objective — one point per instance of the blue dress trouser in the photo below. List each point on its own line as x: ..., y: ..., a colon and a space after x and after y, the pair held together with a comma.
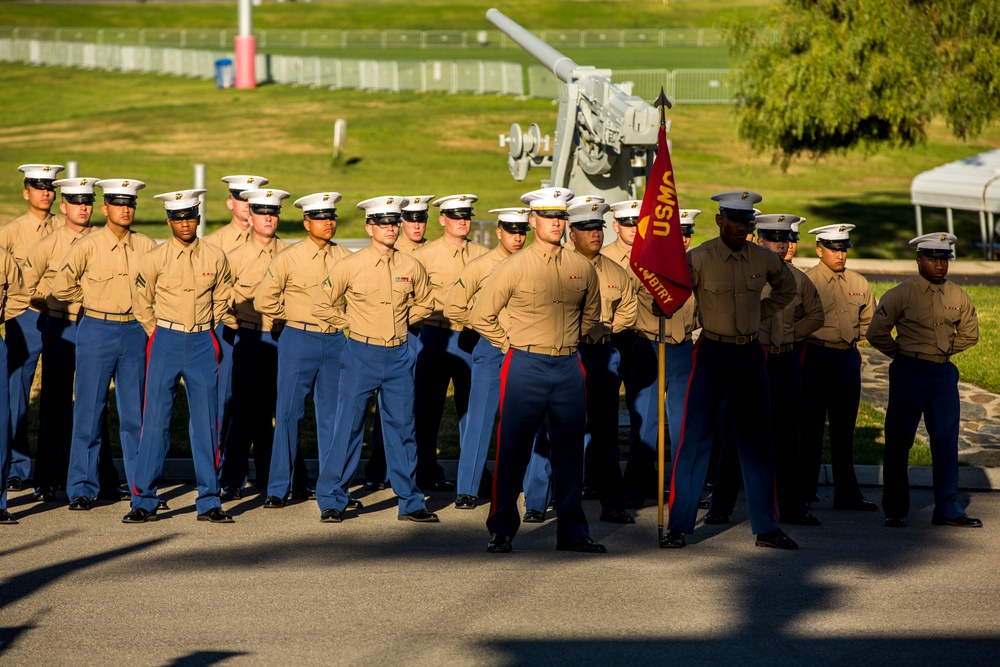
x: 255, y: 394
x: 226, y: 338
x: 600, y: 441
x: 736, y: 372
x: 539, y: 390
x: 831, y: 393
x: 24, y: 345
x: 194, y: 357
x: 375, y: 469
x: 367, y: 369
x: 113, y: 350
x: 919, y: 387
x: 444, y: 356
x: 4, y: 432
x: 484, y: 402
x: 308, y: 361
x: 624, y: 342
x: 55, y: 431
x: 784, y: 374
x: 640, y: 470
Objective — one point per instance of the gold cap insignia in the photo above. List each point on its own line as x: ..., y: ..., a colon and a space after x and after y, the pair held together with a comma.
x: 83, y: 181
x: 635, y: 204
x: 390, y: 200
x: 594, y: 207
x: 416, y: 200
x: 326, y: 197
x: 178, y: 196
x: 745, y: 195
x: 268, y: 194
x: 462, y: 198
x: 684, y: 214
x: 46, y: 168
x: 944, y: 237
x: 124, y: 184
x: 781, y: 218
x: 842, y: 228
x: 251, y: 180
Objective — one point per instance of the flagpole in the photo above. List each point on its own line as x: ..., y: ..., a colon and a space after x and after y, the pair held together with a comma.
x: 663, y: 104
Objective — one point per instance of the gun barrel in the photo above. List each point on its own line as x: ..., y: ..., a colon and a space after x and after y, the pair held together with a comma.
x: 556, y: 62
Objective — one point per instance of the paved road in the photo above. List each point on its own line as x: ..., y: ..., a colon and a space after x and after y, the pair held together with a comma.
x: 278, y: 587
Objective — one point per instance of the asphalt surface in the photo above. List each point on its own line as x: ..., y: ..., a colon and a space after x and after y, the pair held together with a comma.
x: 279, y: 587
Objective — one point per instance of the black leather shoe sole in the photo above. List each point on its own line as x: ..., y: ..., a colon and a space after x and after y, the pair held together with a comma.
x: 216, y: 515
x: 533, y: 516
x: 894, y: 523
x: 7, y: 519
x: 964, y: 521
x: 15, y: 483
x: 617, y: 516
x: 715, y: 519
x: 776, y: 540
x: 583, y: 546
x: 500, y: 544
x: 331, y: 516
x: 80, y: 503
x: 274, y: 503
x: 465, y: 502
x: 139, y: 515
x: 674, y: 539
x: 162, y: 506
x: 420, y: 516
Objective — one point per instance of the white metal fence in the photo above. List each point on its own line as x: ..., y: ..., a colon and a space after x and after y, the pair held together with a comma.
x: 451, y: 76
x: 384, y: 39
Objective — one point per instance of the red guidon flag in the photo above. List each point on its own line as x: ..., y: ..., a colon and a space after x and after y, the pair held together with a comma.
x: 658, y: 251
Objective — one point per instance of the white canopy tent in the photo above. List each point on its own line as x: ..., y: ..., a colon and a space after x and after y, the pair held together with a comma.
x: 972, y: 184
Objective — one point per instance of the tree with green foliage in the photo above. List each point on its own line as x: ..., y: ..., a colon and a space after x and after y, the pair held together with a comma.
x: 824, y: 76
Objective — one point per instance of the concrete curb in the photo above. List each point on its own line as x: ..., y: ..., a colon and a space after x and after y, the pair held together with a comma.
x: 971, y: 478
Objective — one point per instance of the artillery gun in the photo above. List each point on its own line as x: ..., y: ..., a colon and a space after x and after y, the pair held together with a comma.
x: 599, y: 128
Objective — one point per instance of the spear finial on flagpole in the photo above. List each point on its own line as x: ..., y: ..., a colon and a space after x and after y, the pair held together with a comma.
x: 662, y: 103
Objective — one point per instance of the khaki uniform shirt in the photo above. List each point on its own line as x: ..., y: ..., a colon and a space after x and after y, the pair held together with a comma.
x: 848, y: 304
x: 248, y: 263
x: 619, y: 252
x: 230, y: 237
x: 552, y: 299
x: 729, y: 285
x: 406, y: 246
x: 290, y: 284
x: 13, y: 295
x: 793, y: 323
x: 42, y: 264
x: 188, y: 286
x: 443, y: 261
x: 18, y: 235
x: 462, y: 295
x: 933, y: 320
x: 376, y: 296
x: 619, y: 304
x: 99, y: 271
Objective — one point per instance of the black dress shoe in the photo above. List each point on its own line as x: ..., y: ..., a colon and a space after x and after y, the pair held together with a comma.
x: 963, y: 521
x: 714, y: 519
x: 161, y: 505
x: 674, y: 539
x: 590, y: 494
x: 124, y: 493
x: 776, y: 539
x: 617, y: 516
x: 216, y: 515
x: 376, y: 486
x: 44, y: 495
x: 500, y: 544
x: 860, y: 505
x: 889, y: 522
x: 440, y: 485
x: 533, y: 516
x: 803, y: 518
x: 15, y: 483
x: 420, y: 516
x: 6, y: 518
x: 138, y: 515
x: 583, y: 545
x: 274, y: 502
x: 353, y: 503
x: 634, y: 502
x: 303, y: 494
x: 465, y: 502
x: 331, y: 516
x: 230, y: 493
x: 704, y: 504
x: 80, y: 503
